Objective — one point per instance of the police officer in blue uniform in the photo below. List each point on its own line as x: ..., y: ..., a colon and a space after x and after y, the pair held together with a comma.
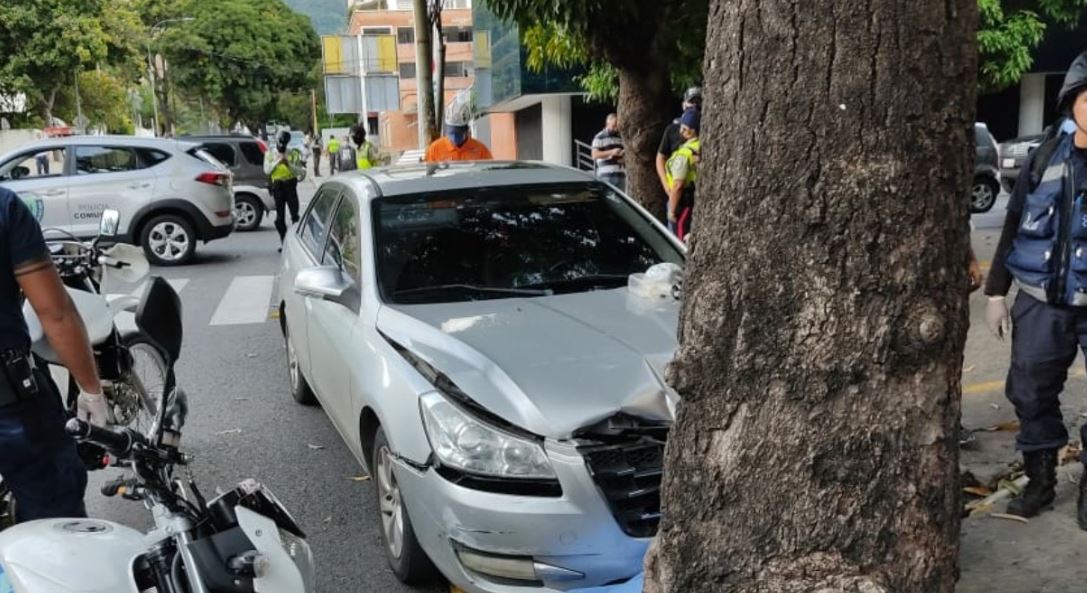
x: 38, y: 460
x: 1043, y: 248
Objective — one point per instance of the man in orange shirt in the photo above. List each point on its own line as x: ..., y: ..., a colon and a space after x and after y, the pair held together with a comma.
x: 457, y: 144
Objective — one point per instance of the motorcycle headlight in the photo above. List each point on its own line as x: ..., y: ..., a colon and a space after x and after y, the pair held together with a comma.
x: 468, y: 444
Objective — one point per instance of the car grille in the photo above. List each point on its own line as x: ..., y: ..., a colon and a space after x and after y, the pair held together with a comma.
x: 628, y: 474
x: 1018, y: 150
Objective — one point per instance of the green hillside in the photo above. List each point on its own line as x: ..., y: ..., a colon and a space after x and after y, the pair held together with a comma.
x: 327, y: 16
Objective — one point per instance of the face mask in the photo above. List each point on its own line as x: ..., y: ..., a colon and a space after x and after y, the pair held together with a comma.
x: 458, y: 137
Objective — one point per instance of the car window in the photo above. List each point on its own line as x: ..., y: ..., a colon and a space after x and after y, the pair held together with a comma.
x: 252, y: 152
x: 33, y: 165
x: 315, y: 224
x: 207, y: 157
x: 982, y: 137
x: 224, y: 153
x: 151, y: 157
x: 90, y: 160
x: 501, y: 242
x: 342, y: 247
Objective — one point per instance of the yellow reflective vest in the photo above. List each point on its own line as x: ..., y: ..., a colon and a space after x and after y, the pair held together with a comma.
x: 687, y: 152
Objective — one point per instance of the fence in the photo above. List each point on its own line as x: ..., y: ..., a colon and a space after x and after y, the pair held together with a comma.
x: 584, y: 156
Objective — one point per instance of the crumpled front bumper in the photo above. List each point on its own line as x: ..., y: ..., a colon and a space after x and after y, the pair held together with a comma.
x: 573, y: 538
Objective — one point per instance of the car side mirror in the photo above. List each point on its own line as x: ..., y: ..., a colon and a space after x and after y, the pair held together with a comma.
x: 20, y: 172
x: 111, y: 220
x: 323, y: 282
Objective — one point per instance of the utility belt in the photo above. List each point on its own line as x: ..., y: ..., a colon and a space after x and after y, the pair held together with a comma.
x: 18, y: 381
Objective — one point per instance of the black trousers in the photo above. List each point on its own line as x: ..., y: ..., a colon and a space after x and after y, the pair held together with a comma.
x: 38, y: 460
x: 285, y: 195
x: 1045, y: 340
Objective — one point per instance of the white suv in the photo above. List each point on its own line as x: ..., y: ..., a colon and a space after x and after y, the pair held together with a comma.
x: 170, y: 193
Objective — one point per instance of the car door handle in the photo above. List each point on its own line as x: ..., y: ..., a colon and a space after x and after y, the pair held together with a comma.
x: 54, y: 192
x: 138, y: 185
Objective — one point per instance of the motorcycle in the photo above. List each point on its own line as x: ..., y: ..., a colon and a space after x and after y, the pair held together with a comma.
x: 242, y: 541
x: 136, y: 340
x: 134, y: 364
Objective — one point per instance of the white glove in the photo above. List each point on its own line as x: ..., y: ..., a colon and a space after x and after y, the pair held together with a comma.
x: 997, y: 317
x: 92, y: 408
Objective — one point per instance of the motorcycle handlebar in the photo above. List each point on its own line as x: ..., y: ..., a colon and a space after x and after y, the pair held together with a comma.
x: 120, y: 442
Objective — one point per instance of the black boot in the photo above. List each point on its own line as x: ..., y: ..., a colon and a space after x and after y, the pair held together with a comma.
x: 1081, y: 502
x: 1041, y: 468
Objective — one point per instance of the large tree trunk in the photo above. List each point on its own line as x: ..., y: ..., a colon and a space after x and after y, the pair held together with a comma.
x: 645, y: 109
x: 47, y: 103
x: 825, y: 305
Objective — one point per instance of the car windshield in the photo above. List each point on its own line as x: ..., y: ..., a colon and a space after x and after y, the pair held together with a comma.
x: 511, y: 242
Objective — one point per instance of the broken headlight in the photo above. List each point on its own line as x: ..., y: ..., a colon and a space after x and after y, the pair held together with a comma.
x: 465, y: 443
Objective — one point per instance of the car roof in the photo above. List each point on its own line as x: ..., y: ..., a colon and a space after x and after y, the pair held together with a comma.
x: 400, y: 180
x: 137, y: 141
x: 220, y: 137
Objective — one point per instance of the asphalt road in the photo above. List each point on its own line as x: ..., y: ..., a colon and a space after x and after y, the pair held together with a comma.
x: 244, y: 424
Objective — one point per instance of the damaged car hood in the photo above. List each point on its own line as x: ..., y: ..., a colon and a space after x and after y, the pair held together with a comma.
x: 553, y: 364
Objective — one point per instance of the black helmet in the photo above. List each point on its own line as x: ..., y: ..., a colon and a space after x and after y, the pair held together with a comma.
x: 693, y: 96
x: 358, y: 134
x: 1074, y: 82
x: 282, y: 140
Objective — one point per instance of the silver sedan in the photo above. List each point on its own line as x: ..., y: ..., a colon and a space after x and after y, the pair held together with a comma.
x: 470, y: 332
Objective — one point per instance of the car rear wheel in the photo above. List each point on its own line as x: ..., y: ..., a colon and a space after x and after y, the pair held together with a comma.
x: 168, y: 240
x: 249, y: 211
x: 983, y: 196
x: 406, y: 557
x: 300, y: 389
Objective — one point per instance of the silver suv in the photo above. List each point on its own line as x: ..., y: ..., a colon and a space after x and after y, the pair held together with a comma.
x: 170, y: 193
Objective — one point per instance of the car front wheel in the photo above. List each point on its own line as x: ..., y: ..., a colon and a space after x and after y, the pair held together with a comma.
x: 983, y: 196
x: 406, y: 557
x: 168, y: 240
x: 249, y: 211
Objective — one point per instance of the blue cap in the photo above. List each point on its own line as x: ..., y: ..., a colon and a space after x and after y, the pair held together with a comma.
x: 691, y: 118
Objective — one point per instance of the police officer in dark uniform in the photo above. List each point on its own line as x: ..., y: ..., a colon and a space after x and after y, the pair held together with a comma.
x: 38, y: 460
x: 1043, y: 247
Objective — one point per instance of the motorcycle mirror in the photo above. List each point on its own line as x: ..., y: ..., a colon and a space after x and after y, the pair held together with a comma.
x: 132, y: 266
x: 111, y: 220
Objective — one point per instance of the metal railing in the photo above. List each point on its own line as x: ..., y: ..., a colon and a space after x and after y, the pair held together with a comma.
x: 584, y: 156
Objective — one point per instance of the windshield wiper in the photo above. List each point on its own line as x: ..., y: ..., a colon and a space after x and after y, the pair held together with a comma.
x: 475, y: 288
x: 608, y: 280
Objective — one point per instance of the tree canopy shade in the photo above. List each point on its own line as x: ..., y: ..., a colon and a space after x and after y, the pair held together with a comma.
x: 1010, y: 30
x: 45, y: 43
x: 241, y: 54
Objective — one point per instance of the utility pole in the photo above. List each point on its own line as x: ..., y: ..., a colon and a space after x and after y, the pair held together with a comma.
x: 313, y: 110
x: 78, y: 107
x: 424, y: 80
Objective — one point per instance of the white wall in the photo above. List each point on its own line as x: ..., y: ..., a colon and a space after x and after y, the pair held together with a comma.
x: 13, y: 139
x: 558, y: 139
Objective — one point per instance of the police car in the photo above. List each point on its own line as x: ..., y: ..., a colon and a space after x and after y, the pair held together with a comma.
x: 171, y: 194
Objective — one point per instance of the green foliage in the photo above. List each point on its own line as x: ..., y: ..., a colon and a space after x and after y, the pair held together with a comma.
x: 45, y: 42
x: 1010, y: 30
x: 241, y: 54
x: 103, y: 99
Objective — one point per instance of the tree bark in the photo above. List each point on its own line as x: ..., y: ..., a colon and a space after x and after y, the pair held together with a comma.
x: 825, y: 303
x: 47, y: 105
x: 645, y: 109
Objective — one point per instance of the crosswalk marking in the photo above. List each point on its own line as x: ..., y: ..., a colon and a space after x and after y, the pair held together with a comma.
x: 246, y: 301
x: 177, y: 283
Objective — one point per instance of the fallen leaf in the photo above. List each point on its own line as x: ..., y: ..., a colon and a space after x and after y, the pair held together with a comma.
x: 359, y: 478
x: 970, y: 368
x: 1010, y: 486
x: 316, y: 447
x: 994, y: 406
x: 1009, y: 426
x: 1009, y: 517
x: 231, y: 431
x: 977, y: 490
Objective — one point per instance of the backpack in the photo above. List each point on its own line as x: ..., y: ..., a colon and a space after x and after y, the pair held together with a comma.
x: 347, y: 159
